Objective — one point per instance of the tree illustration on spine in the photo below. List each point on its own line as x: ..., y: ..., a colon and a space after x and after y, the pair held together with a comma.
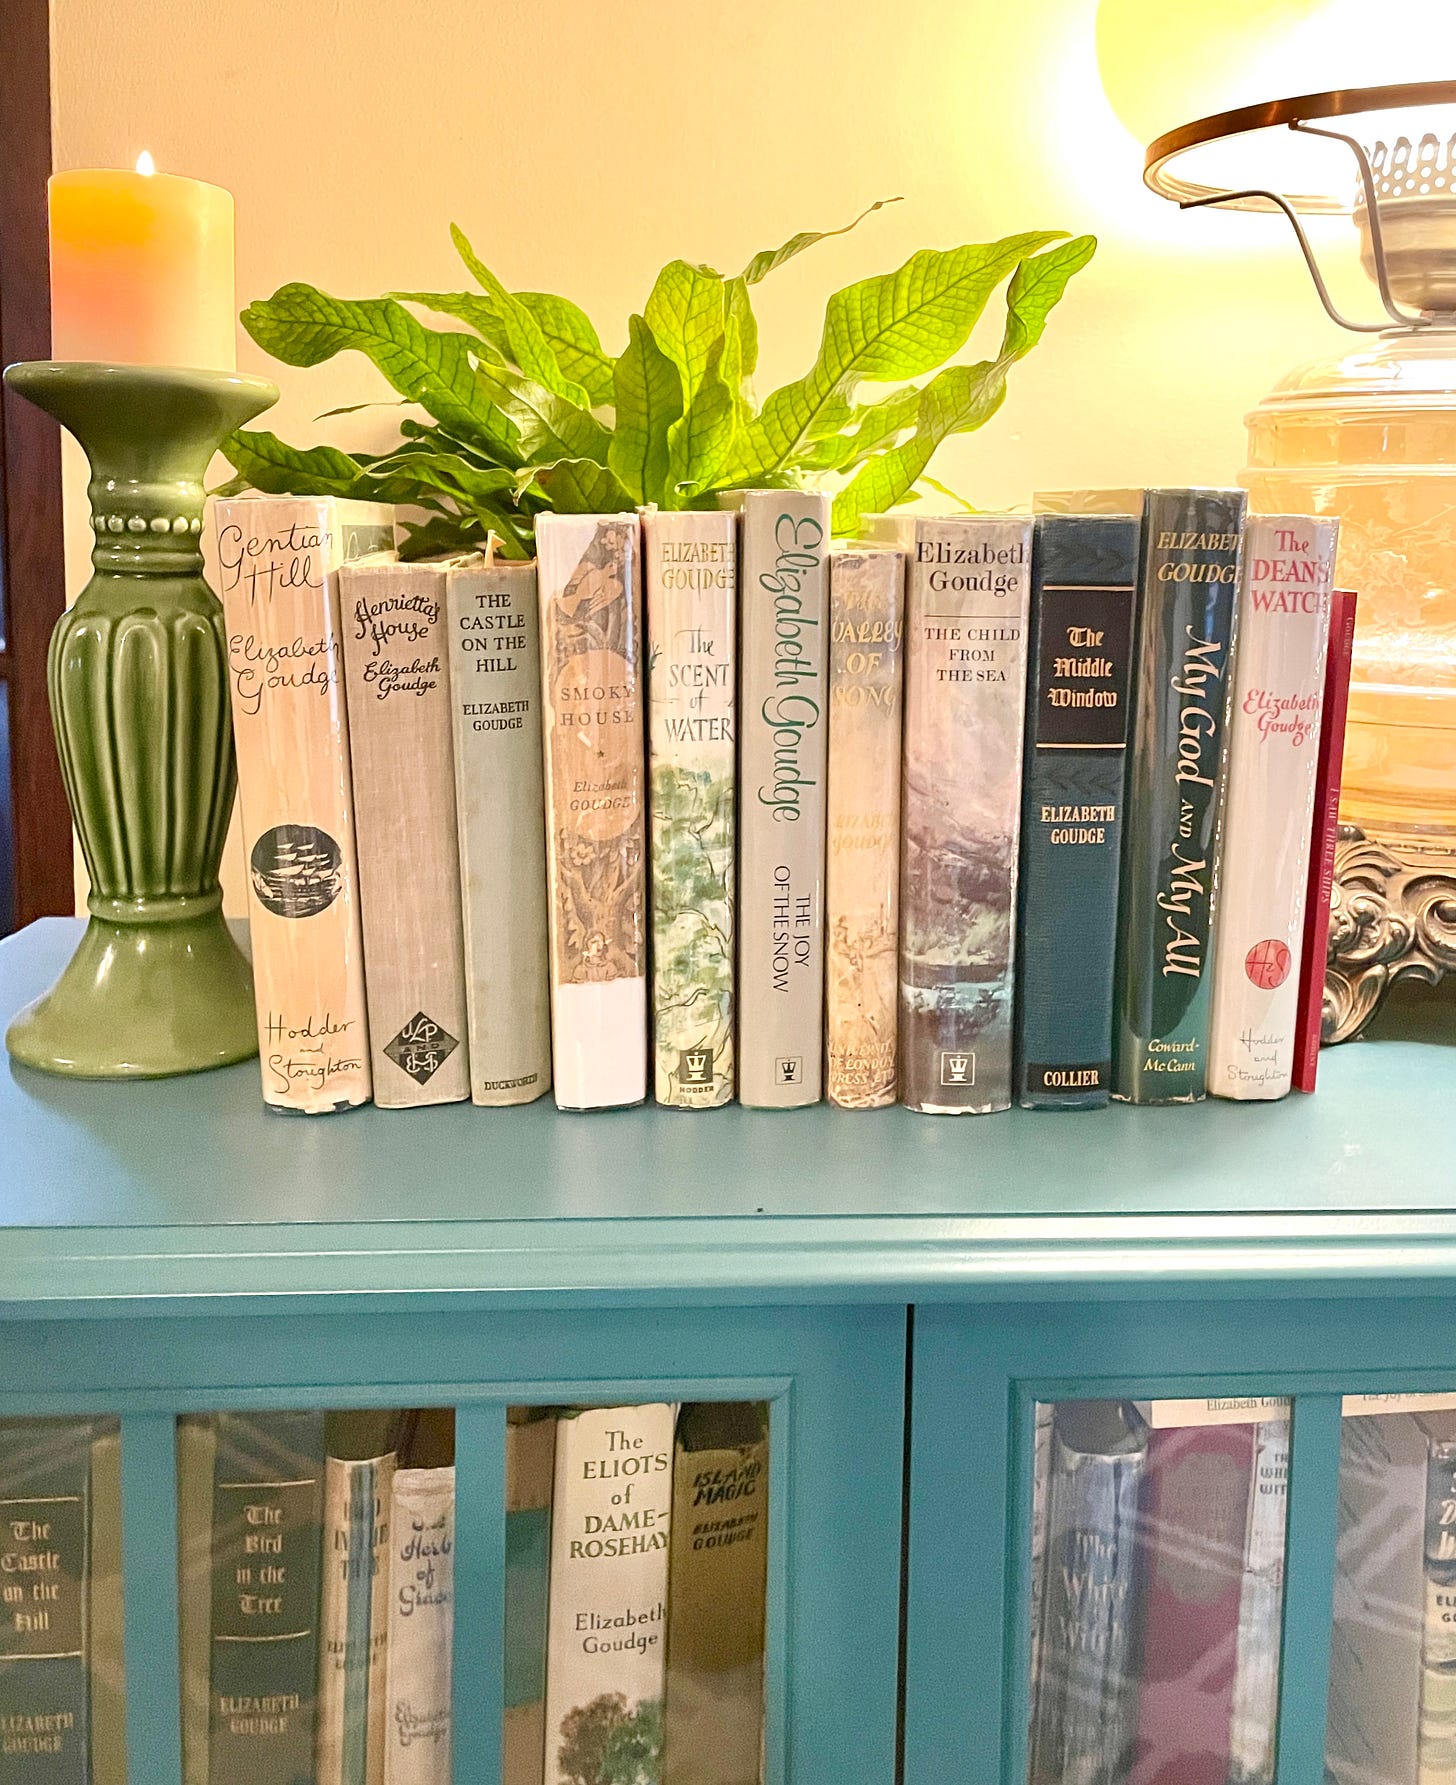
x: 607, y: 1743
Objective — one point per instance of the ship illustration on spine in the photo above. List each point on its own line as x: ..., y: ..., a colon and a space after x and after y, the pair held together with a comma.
x: 404, y: 815
x: 495, y: 678
x: 965, y: 696
x: 277, y: 560
x: 421, y: 1627
x: 1182, y: 686
x: 591, y: 641
x: 783, y: 737
x: 691, y: 575
x: 862, y: 874
x: 354, y: 1620
x: 1083, y: 601
x: 1274, y: 735
x: 45, y: 1542
x: 606, y: 1648
x: 267, y: 1506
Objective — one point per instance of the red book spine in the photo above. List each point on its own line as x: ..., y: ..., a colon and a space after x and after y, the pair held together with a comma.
x: 1195, y: 1514
x: 1315, y: 951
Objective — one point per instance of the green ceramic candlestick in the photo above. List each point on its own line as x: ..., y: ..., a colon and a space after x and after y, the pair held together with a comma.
x: 139, y: 698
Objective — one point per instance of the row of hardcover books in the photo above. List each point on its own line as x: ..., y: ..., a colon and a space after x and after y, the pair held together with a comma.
x: 1158, y: 1583
x: 694, y: 802
x: 316, y: 1594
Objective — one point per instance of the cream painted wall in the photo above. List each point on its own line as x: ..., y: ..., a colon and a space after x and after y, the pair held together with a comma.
x: 582, y: 143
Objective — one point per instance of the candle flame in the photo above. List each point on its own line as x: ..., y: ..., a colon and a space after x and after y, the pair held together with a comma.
x: 145, y: 164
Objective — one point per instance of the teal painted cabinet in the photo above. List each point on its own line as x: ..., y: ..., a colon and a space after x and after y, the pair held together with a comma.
x: 170, y: 1247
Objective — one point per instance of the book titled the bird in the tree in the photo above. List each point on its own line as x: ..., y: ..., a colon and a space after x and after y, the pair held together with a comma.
x: 590, y: 570
x: 276, y: 562
x: 965, y: 696
x: 1083, y: 601
x: 1182, y: 684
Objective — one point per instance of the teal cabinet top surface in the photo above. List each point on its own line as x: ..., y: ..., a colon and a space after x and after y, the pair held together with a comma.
x: 189, y: 1188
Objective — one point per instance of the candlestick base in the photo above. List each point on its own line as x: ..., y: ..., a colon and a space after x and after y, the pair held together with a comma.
x: 138, y: 685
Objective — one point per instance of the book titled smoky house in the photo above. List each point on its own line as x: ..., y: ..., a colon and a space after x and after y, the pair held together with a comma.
x: 965, y: 694
x: 1182, y: 681
x: 1083, y: 600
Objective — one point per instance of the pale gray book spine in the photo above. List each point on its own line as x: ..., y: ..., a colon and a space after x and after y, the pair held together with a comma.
x: 965, y: 699
x: 495, y: 675
x: 784, y: 737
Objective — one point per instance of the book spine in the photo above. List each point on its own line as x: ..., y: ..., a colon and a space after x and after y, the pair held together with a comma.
x: 530, y: 1469
x: 1436, y: 1736
x: 784, y: 741
x: 105, y: 1660
x: 277, y: 564
x: 1254, y: 1713
x: 1195, y: 1514
x: 965, y: 697
x: 1083, y: 1722
x: 609, y: 1552
x: 1083, y: 601
x: 1182, y: 685
x: 267, y: 1507
x: 354, y: 1621
x: 404, y: 818
x: 591, y: 643
x: 862, y: 874
x: 1314, y: 955
x: 692, y: 576
x: 45, y: 1505
x: 713, y: 1714
x: 421, y: 1627
x: 1273, y: 749
x: 196, y: 1468
x: 495, y: 676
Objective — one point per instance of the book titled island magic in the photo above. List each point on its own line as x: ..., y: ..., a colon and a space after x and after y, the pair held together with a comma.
x: 1182, y: 683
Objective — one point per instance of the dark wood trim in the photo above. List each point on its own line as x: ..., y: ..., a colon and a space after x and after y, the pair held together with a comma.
x: 34, y: 576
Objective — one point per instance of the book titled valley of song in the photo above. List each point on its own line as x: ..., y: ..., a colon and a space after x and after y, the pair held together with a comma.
x: 691, y: 575
x: 398, y: 685
x: 965, y: 695
x: 276, y: 565
x: 784, y: 740
x: 1274, y: 737
x: 1083, y: 601
x: 591, y: 646
x: 495, y: 681
x: 1183, y: 681
x: 607, y: 1625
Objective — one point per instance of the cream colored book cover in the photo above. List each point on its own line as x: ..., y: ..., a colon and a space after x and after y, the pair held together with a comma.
x: 354, y: 1620
x: 691, y: 575
x: 784, y: 737
x: 1273, y: 746
x: 398, y: 687
x: 862, y: 873
x: 591, y: 644
x: 277, y: 560
x: 495, y: 676
x: 421, y: 1628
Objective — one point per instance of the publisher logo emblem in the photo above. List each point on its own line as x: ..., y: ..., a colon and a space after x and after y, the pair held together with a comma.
x: 695, y: 1066
x: 1267, y: 964
x: 789, y: 1071
x: 957, y: 1067
x: 422, y: 1047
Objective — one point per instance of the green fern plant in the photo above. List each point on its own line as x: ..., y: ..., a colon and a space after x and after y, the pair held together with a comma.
x: 527, y: 411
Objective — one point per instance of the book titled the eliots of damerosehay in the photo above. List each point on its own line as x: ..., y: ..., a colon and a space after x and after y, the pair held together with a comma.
x: 965, y: 694
x: 691, y: 576
x: 606, y: 1644
x: 1083, y: 603
x: 718, y: 1571
x: 1274, y: 735
x: 1182, y: 684
x: 862, y: 874
x: 275, y: 562
x: 495, y: 682
x: 783, y: 736
x: 590, y: 574
x: 398, y: 686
